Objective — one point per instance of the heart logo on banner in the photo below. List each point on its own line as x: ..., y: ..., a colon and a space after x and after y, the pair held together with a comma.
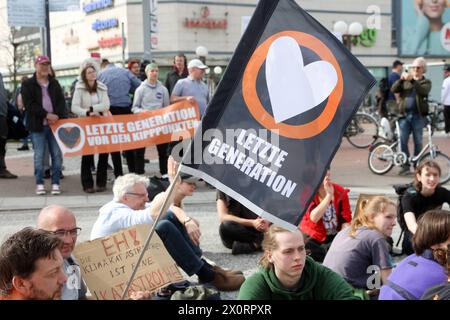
x: 293, y: 87
x: 70, y: 136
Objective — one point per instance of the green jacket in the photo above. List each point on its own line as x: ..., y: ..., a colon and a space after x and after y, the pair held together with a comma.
x: 318, y: 283
x: 423, y: 88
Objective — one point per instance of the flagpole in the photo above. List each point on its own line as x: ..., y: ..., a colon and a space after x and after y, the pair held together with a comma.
x: 164, y: 208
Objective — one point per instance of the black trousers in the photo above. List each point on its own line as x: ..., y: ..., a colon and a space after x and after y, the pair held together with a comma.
x: 447, y: 118
x: 231, y: 231
x: 163, y: 155
x: 3, y: 137
x: 86, y: 175
x: 139, y: 161
x: 407, y: 247
x: 129, y: 155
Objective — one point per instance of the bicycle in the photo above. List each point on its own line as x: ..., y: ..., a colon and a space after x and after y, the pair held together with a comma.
x: 384, y: 156
x: 362, y: 131
x: 436, y: 115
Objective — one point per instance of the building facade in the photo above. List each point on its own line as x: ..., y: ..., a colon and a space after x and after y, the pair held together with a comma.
x: 114, y: 28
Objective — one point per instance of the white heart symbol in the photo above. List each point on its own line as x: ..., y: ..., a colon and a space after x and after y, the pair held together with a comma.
x: 294, y: 88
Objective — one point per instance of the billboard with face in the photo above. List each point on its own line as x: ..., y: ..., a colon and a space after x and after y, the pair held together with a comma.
x: 425, y: 28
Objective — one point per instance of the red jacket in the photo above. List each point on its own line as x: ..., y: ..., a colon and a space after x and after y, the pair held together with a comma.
x: 344, y: 214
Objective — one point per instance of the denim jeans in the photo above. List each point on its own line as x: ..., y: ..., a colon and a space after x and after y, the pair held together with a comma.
x: 180, y: 247
x: 411, y: 123
x: 40, y: 140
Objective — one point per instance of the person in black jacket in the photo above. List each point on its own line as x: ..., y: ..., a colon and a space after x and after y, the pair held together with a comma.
x: 44, y: 99
x: 4, y: 173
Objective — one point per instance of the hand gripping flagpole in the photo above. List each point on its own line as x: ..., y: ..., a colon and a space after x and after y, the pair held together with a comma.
x: 163, y: 209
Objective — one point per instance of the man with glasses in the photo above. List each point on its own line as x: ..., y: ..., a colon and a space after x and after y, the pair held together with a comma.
x: 130, y: 207
x: 413, y: 89
x: 59, y: 221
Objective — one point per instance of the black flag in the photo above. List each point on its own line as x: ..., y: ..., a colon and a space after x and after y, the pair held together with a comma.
x: 279, y: 113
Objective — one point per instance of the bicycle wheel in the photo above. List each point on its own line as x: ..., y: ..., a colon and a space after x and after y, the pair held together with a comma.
x: 381, y: 158
x: 362, y: 131
x: 444, y: 163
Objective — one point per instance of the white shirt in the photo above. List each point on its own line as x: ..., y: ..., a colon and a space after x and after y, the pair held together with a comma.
x: 445, y: 93
x: 115, y: 216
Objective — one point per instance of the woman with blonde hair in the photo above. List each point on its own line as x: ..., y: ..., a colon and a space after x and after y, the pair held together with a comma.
x: 90, y: 99
x: 286, y: 272
x: 361, y: 249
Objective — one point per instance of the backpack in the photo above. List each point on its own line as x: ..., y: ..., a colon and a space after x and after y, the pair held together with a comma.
x: 401, y: 190
x: 14, y: 119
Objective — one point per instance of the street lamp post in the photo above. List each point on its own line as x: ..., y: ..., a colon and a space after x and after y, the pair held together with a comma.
x: 201, y: 53
x: 348, y: 32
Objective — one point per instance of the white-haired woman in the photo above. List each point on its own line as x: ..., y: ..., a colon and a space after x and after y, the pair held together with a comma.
x: 91, y: 99
x: 413, y: 88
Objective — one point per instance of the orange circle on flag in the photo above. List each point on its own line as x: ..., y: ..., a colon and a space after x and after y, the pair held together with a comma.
x: 257, y: 110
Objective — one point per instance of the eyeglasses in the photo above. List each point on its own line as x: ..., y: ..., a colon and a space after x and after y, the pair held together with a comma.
x: 62, y: 233
x: 416, y: 67
x: 138, y: 194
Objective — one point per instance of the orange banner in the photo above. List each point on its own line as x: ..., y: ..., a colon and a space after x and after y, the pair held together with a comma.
x: 100, y: 134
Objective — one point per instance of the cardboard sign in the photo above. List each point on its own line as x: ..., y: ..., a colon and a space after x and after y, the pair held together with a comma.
x: 107, y: 263
x: 106, y: 134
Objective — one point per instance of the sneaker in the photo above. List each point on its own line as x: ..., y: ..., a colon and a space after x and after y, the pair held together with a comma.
x: 23, y: 148
x: 404, y: 171
x: 5, y: 174
x: 89, y: 190
x: 226, y: 281
x: 242, y: 248
x: 40, y: 190
x: 100, y: 189
x: 55, y: 189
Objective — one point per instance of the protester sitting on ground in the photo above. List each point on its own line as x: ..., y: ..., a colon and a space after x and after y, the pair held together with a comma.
x: 90, y: 99
x: 427, y: 266
x: 130, y: 207
x: 328, y: 213
x: 429, y: 195
x: 61, y: 222
x: 287, y: 273
x: 31, y: 266
x: 240, y: 229
x: 364, y: 244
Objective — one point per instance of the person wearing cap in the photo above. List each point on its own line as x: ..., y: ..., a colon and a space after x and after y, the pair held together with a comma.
x: 413, y: 89
x: 44, y: 100
x: 4, y: 173
x: 193, y: 87
x: 445, y: 98
x: 120, y: 82
x: 151, y: 95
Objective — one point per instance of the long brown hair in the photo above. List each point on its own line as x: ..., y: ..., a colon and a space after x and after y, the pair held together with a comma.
x: 432, y: 228
x: 429, y: 164
x: 368, y: 209
x: 90, y: 89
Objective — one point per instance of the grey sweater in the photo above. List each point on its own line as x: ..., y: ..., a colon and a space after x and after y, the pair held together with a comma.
x: 149, y: 97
